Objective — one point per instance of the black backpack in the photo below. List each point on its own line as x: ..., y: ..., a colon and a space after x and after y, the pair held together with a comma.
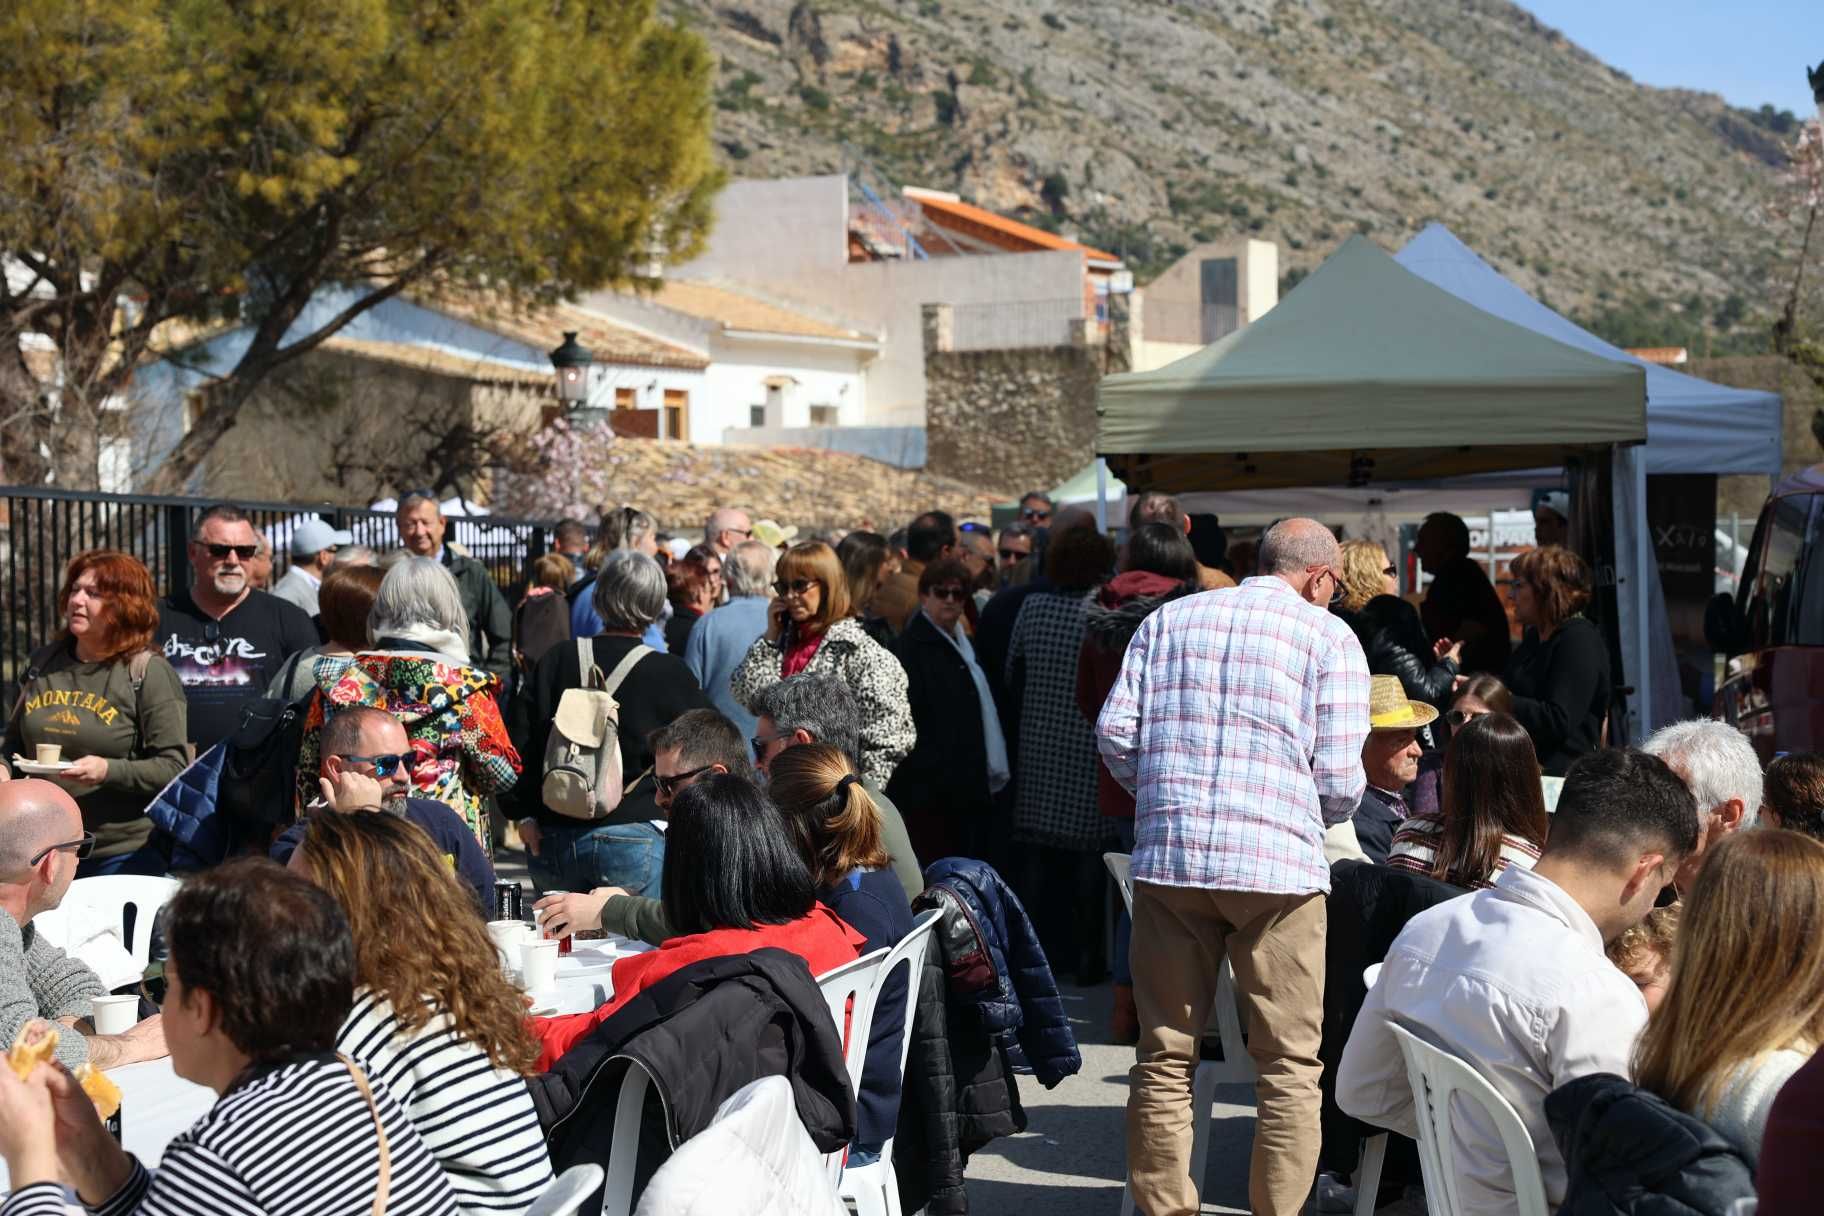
x: 260, y: 769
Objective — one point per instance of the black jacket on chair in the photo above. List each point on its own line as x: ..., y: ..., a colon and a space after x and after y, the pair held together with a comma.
x: 1629, y: 1152
x: 947, y: 771
x: 1368, y: 906
x: 702, y: 1032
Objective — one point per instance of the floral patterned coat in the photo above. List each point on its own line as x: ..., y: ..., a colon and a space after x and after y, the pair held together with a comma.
x: 450, y: 716
x: 872, y: 675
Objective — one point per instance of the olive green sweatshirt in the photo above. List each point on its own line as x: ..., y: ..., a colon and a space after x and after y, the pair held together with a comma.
x: 92, y: 709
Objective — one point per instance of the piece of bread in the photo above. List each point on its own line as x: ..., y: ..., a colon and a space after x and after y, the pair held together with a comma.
x: 33, y: 1045
x: 102, y: 1091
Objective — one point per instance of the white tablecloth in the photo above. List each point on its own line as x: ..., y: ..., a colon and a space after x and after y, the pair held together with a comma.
x: 156, y: 1107
x: 583, y: 980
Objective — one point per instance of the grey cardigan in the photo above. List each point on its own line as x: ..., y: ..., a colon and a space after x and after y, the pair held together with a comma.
x: 38, y: 980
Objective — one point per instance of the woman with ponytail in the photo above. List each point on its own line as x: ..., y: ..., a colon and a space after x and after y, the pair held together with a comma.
x: 837, y: 828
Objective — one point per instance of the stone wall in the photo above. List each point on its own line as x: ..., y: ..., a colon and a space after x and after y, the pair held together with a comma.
x: 1016, y: 420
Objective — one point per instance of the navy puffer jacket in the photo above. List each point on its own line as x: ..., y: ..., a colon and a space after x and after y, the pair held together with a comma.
x: 1014, y: 990
x: 1628, y: 1152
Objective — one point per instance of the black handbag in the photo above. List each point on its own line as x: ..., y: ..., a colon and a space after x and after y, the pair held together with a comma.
x: 260, y: 769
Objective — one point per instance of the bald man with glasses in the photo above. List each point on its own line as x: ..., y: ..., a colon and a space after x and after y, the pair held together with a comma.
x: 41, y: 840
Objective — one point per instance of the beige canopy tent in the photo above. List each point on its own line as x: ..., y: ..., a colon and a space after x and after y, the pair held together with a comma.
x: 1365, y: 373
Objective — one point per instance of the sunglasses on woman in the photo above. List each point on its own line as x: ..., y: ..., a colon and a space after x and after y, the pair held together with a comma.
x: 1460, y: 717
x: 795, y: 586
x: 384, y: 766
x: 952, y: 592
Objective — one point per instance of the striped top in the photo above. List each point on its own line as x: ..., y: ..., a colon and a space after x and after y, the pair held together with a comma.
x: 1415, y: 849
x: 293, y: 1139
x: 477, y: 1120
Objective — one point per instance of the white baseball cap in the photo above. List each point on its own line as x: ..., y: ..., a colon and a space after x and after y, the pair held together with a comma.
x: 313, y: 536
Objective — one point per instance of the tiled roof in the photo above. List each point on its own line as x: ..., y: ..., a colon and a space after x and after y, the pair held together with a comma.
x: 938, y: 206
x: 435, y: 359
x: 739, y: 310
x: 680, y: 484
x: 543, y: 328
x: 1665, y: 356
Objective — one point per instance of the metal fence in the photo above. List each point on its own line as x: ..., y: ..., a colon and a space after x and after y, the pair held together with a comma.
x: 44, y: 528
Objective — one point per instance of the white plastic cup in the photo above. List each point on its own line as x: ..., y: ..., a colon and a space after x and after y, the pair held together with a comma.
x: 538, y: 965
x: 506, y: 936
x: 115, y: 1014
x: 48, y: 753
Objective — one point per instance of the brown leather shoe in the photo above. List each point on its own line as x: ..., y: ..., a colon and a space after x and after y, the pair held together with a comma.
x: 1124, y: 1022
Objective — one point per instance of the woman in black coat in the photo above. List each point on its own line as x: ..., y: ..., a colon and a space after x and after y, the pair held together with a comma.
x: 1392, y: 636
x: 945, y: 788
x: 1559, y: 675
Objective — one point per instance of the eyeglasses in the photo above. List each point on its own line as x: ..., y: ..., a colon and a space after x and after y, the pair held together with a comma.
x: 1011, y: 555
x: 795, y: 586
x: 677, y: 781
x: 1461, y: 717
x: 947, y: 593
x: 1390, y: 571
x: 82, y: 848
x: 1035, y: 515
x: 760, y: 745
x: 244, y: 552
x: 740, y: 531
x: 385, y: 766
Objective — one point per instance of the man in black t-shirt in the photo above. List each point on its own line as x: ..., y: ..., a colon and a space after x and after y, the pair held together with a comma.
x: 1461, y: 604
x: 226, y: 640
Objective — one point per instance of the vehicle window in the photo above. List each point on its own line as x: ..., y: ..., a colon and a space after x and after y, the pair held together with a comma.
x: 1786, y: 607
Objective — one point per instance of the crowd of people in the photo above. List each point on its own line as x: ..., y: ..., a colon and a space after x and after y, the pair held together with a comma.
x: 755, y: 743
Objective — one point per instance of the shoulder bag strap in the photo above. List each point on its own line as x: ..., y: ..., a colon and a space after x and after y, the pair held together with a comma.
x: 385, y: 1182
x: 585, y: 663
x: 625, y: 667
x: 34, y: 667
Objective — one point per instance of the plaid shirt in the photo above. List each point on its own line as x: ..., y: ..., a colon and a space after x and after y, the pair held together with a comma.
x: 1238, y: 721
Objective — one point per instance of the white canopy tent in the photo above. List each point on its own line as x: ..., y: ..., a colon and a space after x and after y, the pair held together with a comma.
x: 1693, y: 426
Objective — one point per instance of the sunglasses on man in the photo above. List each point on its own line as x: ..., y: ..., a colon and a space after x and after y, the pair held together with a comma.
x: 220, y: 552
x: 384, y: 766
x: 1034, y: 515
x: 1012, y: 555
x: 669, y: 786
x: 951, y: 592
x: 82, y: 848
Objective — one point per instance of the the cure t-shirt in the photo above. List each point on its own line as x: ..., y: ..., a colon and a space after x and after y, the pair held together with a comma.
x: 224, y: 664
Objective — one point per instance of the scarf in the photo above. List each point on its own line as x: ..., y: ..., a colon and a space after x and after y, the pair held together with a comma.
x: 1000, y: 771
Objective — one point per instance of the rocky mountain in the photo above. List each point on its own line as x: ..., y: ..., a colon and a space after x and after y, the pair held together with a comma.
x: 1146, y: 125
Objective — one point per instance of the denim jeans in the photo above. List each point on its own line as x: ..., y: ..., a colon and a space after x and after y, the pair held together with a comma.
x: 629, y: 855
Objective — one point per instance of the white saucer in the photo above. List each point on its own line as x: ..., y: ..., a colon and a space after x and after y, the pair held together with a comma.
x: 32, y: 768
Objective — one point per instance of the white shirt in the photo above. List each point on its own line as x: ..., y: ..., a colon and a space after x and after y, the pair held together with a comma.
x: 1514, y: 981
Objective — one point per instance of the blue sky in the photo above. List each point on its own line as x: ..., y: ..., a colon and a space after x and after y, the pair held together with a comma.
x: 1750, y: 51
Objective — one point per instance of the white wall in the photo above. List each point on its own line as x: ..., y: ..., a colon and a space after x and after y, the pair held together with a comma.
x: 736, y: 382
x: 785, y: 226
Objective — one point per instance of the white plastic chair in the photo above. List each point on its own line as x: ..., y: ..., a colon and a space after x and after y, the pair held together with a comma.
x: 1374, y: 1148
x: 874, y: 1188
x: 624, y: 1148
x: 754, y: 1159
x: 849, y: 992
x: 1235, y: 1067
x: 110, y: 895
x: 1437, y: 1077
x: 567, y: 1192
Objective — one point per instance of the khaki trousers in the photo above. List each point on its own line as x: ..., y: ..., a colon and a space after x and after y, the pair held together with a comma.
x: 1276, y: 943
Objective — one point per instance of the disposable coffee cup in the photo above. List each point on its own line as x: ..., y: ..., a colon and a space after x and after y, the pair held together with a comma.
x: 506, y: 936
x: 115, y: 1014
x: 538, y: 965
x: 49, y: 753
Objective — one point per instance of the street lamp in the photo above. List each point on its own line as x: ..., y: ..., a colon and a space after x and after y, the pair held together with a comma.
x: 572, y: 361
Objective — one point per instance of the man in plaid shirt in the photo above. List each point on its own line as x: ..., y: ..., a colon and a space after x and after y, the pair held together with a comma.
x: 1237, y: 721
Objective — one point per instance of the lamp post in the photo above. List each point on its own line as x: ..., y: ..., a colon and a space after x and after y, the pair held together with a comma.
x: 572, y: 361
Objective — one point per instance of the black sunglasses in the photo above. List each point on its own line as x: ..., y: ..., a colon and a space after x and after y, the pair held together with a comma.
x: 1036, y: 515
x: 245, y: 552
x: 795, y: 586
x: 1390, y: 571
x: 1011, y: 555
x: 760, y: 745
x: 672, y: 784
x: 82, y: 848
x: 951, y: 592
x: 385, y: 766
x: 1459, y: 718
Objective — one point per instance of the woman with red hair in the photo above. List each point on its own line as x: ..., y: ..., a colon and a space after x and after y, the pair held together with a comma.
x: 111, y: 705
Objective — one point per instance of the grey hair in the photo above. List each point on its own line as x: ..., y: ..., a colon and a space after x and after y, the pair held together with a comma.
x: 1293, y: 546
x: 629, y: 592
x: 354, y: 555
x: 412, y: 501
x: 1716, y: 761
x: 418, y: 591
x: 749, y: 568
x: 821, y: 706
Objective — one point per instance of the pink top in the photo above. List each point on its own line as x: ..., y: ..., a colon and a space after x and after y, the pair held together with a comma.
x: 799, y: 656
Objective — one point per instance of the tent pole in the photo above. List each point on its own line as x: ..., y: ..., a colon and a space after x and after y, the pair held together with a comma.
x: 1101, y: 495
x: 1643, y: 553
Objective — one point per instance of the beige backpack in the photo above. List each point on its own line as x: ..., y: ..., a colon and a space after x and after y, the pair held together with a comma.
x: 583, y: 777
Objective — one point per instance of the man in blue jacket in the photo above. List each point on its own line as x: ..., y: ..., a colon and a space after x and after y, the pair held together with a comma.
x: 719, y: 641
x: 367, y: 766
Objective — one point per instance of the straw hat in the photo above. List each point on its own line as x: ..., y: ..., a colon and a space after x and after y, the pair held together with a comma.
x: 768, y: 532
x: 1389, y: 708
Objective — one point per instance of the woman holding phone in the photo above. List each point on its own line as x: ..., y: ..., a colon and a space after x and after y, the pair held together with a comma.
x: 809, y: 629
